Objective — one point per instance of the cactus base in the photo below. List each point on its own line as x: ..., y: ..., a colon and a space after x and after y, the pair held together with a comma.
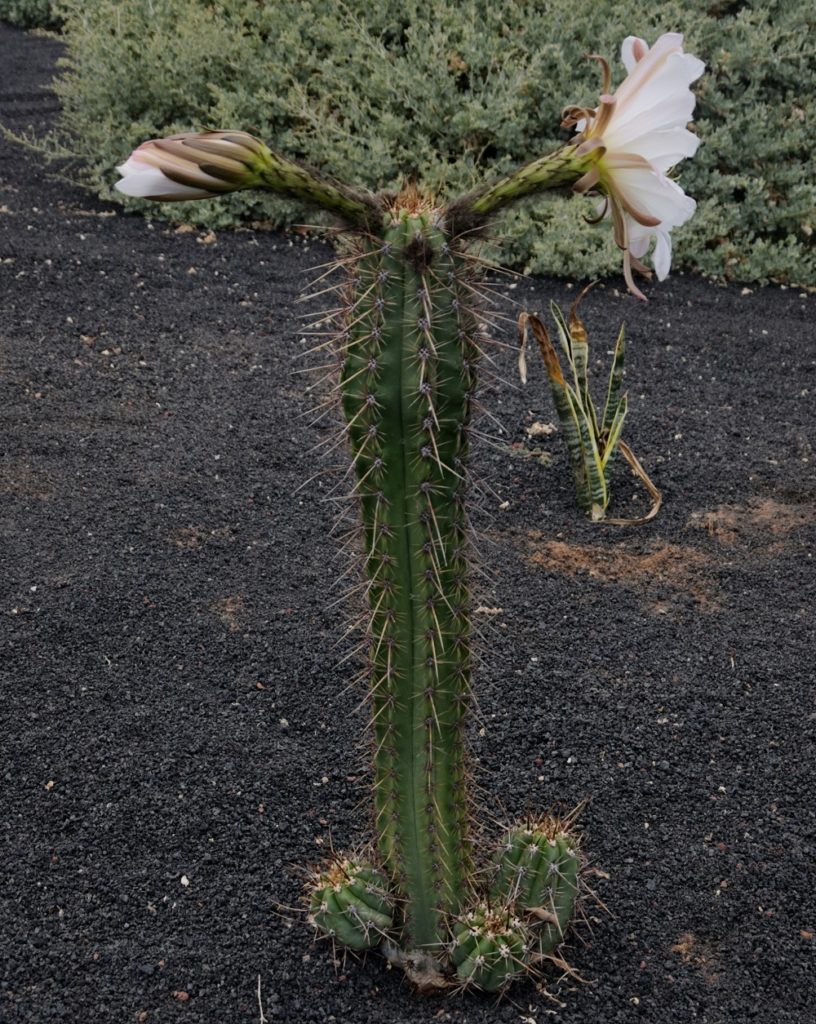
x: 520, y: 919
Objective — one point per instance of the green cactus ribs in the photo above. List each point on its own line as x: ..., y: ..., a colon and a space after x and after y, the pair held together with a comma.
x: 536, y: 876
x: 490, y: 949
x: 410, y: 345
x: 350, y: 902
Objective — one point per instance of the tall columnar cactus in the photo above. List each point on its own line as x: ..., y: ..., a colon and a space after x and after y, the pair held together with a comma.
x: 409, y: 341
x: 411, y: 348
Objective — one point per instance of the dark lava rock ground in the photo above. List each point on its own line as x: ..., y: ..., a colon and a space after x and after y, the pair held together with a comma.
x: 177, y: 738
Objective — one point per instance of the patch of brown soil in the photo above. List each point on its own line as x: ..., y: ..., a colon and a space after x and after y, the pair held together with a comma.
x: 230, y: 610
x: 20, y: 480
x: 191, y: 537
x: 676, y: 566
x: 692, y: 950
x: 762, y: 523
x: 761, y: 529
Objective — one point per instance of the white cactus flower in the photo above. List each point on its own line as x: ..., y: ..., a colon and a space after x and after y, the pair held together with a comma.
x: 640, y: 132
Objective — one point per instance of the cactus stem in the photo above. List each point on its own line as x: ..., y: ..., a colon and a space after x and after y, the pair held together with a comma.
x: 410, y: 342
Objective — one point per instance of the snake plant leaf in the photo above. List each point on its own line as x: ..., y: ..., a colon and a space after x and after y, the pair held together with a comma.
x: 593, y: 460
x: 615, y: 379
x: 563, y: 330
x: 579, y: 345
x: 566, y: 403
x: 591, y: 442
x: 613, y: 437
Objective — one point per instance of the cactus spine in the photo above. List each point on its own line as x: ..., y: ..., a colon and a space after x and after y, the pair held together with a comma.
x: 410, y: 354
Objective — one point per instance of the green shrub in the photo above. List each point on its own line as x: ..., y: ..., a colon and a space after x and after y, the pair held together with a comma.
x: 453, y: 92
x: 29, y: 13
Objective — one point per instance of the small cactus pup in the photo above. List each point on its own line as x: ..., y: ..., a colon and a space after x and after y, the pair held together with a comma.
x: 351, y: 903
x: 491, y: 948
x: 409, y: 341
x: 592, y: 439
x: 536, y: 877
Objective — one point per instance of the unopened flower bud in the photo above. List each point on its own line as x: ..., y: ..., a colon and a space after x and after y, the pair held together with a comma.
x: 200, y: 165
x: 193, y: 165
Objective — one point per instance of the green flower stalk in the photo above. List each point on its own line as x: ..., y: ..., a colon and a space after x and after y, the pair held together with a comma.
x: 409, y: 343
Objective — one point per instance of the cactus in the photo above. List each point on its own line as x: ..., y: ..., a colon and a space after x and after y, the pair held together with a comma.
x: 351, y: 903
x: 411, y: 349
x: 409, y: 343
x: 536, y: 877
x: 490, y: 949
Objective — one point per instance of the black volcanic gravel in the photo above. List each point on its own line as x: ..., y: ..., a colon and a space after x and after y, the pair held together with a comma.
x: 176, y: 736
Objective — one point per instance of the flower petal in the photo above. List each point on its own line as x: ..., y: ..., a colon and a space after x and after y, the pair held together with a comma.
x: 639, y: 244
x: 150, y: 183
x: 646, y: 68
x: 633, y: 49
x: 643, y: 134
x: 661, y: 257
x: 639, y: 240
x: 651, y: 192
x: 666, y: 102
x: 664, y: 149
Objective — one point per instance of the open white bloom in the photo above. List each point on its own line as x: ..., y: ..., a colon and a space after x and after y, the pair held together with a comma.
x: 640, y: 132
x: 194, y: 165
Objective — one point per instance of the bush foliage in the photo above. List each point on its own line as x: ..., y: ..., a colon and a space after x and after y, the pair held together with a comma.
x: 29, y: 13
x: 453, y: 92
